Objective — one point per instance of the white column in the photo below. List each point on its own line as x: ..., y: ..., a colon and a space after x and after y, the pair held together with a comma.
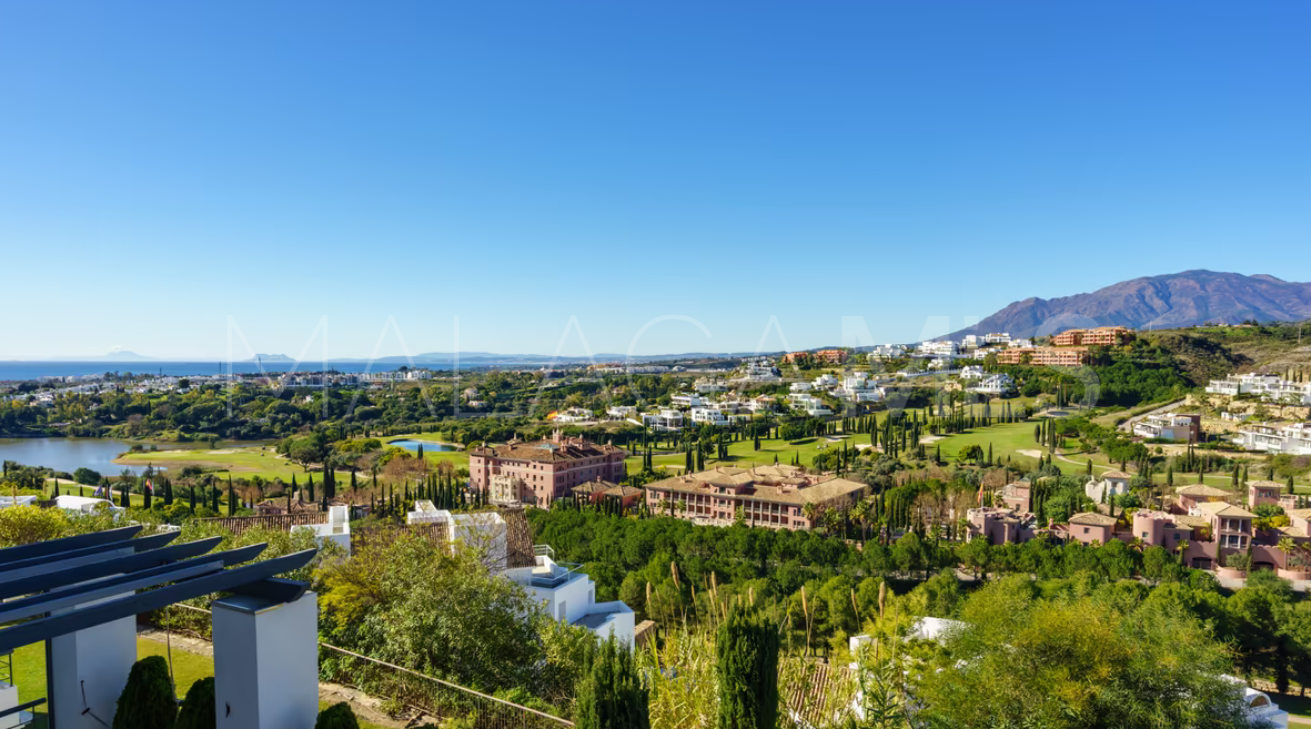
x: 91, y: 666
x: 266, y: 663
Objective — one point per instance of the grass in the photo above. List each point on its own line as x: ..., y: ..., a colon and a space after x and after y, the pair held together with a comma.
x: 262, y: 461
x: 30, y: 673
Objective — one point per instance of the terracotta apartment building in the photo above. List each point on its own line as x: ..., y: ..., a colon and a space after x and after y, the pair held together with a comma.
x: 825, y: 356
x: 542, y: 471
x: 1044, y: 356
x: 769, y: 496
x: 1107, y: 336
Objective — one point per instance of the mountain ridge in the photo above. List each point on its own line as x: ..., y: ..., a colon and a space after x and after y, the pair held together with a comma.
x: 1149, y: 302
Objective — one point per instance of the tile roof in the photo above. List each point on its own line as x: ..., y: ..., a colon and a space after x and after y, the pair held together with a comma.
x: 1200, y: 489
x: 1116, y: 474
x: 547, y: 450
x: 1220, y: 508
x: 783, y: 484
x: 1088, y: 518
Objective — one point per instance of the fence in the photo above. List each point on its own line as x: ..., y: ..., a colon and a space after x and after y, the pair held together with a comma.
x: 433, y: 696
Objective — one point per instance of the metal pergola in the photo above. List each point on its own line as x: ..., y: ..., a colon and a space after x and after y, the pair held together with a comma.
x: 45, y: 587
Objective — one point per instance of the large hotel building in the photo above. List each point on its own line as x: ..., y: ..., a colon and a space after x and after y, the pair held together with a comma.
x: 540, y: 472
x: 769, y: 496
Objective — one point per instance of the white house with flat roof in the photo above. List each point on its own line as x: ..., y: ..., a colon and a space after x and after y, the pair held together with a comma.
x: 336, y: 529
x: 569, y: 595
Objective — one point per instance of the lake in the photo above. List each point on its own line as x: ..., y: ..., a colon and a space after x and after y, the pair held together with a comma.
x: 413, y: 445
x: 68, y: 454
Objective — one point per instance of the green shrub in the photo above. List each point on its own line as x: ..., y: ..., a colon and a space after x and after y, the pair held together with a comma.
x: 147, y: 701
x: 198, y: 710
x: 337, y: 716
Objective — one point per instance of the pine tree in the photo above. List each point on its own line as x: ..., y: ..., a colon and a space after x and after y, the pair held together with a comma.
x: 747, y: 647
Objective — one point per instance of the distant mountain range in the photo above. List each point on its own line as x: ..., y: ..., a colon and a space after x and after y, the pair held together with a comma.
x: 1156, y: 302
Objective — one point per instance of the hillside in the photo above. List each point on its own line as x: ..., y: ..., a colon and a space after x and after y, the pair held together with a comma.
x: 1157, y: 302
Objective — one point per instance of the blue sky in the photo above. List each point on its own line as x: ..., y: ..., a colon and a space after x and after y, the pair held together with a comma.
x: 167, y: 169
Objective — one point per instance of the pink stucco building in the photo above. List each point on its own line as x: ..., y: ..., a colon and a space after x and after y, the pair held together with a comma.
x: 540, y: 472
x: 1001, y: 525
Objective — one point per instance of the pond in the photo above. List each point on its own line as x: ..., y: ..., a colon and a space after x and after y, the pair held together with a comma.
x: 428, y: 446
x: 68, y: 454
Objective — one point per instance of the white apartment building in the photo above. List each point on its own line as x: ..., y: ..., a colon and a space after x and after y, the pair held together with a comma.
x: 979, y: 340
x: 937, y: 349
x: 1270, y: 388
x: 1292, y: 439
x: 1019, y: 344
x: 760, y: 370
x: 887, y: 351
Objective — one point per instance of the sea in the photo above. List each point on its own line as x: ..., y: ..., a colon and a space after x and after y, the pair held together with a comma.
x: 19, y: 371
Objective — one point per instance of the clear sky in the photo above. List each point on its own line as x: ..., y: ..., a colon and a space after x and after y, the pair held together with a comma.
x: 168, y: 168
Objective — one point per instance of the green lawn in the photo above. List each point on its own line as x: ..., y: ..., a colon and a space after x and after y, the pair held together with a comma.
x: 30, y: 673
x: 259, y: 461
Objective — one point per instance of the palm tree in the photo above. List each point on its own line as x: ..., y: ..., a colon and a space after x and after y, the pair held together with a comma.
x: 860, y: 512
x: 1183, y: 548
x: 1288, y: 547
x: 811, y: 511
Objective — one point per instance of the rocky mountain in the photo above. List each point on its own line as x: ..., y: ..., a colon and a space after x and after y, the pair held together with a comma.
x: 1157, y: 302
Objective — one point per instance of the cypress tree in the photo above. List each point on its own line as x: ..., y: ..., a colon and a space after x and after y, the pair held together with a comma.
x: 147, y: 700
x: 310, y: 487
x: 610, y: 694
x: 214, y: 499
x: 747, y: 648
x: 198, y: 708
x: 232, y: 498
x: 168, y: 492
x: 192, y: 493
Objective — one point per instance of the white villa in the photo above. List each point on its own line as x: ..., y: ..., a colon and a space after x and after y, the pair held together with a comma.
x: 619, y: 412
x: 668, y: 419
x: 809, y: 404
x: 999, y: 385
x: 336, y: 529
x: 569, y: 595
x: 687, y: 400
x: 705, y: 386
x: 574, y: 415
x: 709, y: 414
x: 1111, y: 483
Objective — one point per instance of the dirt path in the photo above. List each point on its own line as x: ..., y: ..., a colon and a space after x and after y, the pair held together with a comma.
x: 366, y: 707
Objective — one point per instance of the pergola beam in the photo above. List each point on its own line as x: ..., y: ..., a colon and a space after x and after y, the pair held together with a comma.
x: 125, y: 564
x: 84, y: 592
x: 129, y: 605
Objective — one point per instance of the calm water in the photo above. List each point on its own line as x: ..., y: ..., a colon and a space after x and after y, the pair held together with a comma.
x: 33, y: 370
x: 413, y: 445
x: 67, y: 454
